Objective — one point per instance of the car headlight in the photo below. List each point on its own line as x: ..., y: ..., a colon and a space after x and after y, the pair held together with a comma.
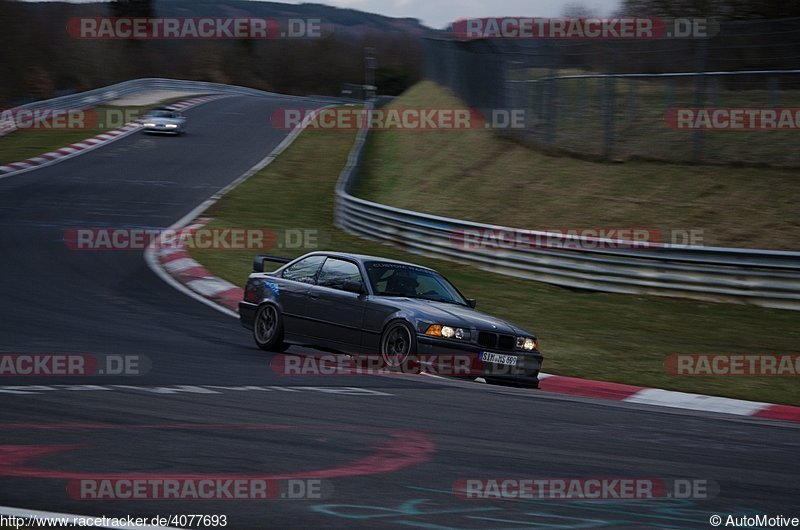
x: 149, y: 124
x: 527, y: 343
x: 448, y: 332
x: 171, y: 126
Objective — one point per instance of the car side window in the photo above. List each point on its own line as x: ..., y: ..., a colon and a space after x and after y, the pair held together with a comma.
x: 305, y: 270
x: 336, y: 273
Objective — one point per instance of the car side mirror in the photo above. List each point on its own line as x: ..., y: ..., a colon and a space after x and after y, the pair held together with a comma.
x: 472, y: 302
x: 352, y: 286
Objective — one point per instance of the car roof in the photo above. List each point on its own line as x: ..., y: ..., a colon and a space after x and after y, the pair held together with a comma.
x: 363, y: 258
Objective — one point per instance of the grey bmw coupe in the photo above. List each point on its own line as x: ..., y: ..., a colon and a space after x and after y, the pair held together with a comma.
x: 403, y: 314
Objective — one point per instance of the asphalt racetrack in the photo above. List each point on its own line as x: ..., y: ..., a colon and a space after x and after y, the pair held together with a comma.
x: 388, y: 450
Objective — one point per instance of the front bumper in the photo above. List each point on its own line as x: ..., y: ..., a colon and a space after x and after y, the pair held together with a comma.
x: 448, y: 357
x: 162, y: 130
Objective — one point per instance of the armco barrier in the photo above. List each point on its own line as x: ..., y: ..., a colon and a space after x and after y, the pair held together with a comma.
x: 758, y: 277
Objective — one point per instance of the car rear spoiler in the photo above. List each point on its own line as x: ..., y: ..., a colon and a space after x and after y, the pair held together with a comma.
x: 258, y: 263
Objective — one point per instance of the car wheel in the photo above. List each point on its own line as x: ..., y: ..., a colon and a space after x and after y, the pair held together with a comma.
x: 268, y: 328
x: 399, y: 348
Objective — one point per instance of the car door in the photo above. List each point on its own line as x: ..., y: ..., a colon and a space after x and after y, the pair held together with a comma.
x: 298, y: 279
x: 338, y: 314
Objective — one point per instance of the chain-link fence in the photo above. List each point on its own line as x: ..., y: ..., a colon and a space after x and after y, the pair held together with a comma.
x: 642, y: 99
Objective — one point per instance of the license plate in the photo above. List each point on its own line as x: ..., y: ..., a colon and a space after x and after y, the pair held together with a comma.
x: 496, y: 358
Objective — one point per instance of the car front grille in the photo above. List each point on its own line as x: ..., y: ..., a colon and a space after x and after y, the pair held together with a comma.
x: 506, y: 342
x: 487, y: 340
x: 497, y: 341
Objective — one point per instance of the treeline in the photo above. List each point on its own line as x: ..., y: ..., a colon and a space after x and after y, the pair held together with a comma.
x: 39, y: 59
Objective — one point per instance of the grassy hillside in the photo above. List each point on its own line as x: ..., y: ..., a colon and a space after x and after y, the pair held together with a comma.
x: 477, y: 176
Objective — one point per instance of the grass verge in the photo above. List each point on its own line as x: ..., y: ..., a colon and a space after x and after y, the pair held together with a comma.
x: 592, y: 335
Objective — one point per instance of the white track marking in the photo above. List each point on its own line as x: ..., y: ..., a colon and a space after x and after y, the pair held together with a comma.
x: 681, y: 400
x: 180, y: 265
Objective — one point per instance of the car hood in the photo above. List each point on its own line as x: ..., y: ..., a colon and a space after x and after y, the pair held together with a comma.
x: 457, y: 315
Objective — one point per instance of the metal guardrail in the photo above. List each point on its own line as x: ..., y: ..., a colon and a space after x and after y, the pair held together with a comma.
x: 98, y: 96
x: 759, y: 277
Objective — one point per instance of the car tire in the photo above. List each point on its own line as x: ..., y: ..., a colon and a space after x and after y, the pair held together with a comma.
x: 268, y: 328
x: 399, y: 348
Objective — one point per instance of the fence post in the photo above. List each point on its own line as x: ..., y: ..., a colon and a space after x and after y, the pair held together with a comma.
x: 699, y: 96
x: 551, y: 99
x: 670, y: 95
x: 633, y: 86
x: 608, y: 96
x: 774, y: 99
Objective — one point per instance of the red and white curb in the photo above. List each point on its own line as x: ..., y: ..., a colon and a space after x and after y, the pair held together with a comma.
x: 59, y: 155
x: 666, y: 398
x: 179, y: 264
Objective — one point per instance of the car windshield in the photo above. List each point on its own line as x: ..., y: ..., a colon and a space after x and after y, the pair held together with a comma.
x: 161, y: 114
x: 397, y: 279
